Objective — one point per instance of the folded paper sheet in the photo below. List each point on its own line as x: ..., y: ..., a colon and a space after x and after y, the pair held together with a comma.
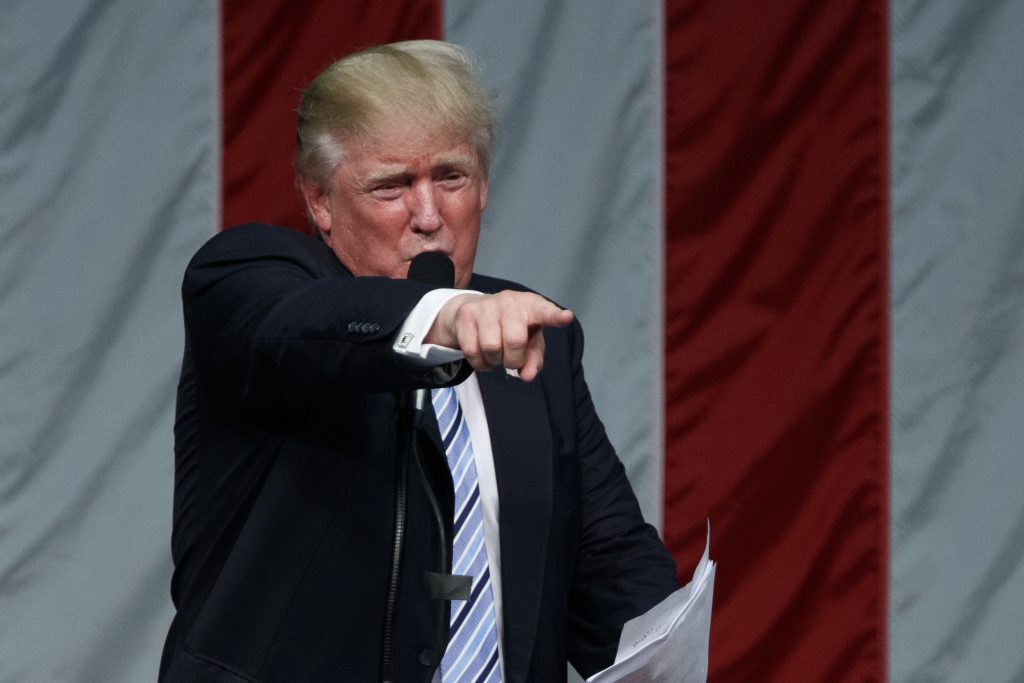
x: 670, y: 641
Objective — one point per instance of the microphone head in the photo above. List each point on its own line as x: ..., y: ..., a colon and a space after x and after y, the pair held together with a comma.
x: 432, y: 268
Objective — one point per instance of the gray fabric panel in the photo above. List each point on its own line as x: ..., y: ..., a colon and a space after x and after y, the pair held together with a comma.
x: 107, y: 185
x: 957, y: 565
x: 575, y: 204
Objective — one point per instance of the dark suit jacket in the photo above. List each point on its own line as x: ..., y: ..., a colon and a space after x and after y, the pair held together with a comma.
x: 284, y: 484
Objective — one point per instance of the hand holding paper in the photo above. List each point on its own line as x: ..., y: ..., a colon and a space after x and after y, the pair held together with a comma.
x: 670, y: 641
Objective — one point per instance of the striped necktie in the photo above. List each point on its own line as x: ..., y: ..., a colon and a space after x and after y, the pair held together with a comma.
x: 472, y: 654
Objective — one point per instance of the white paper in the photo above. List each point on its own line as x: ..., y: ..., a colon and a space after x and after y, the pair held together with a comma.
x: 670, y: 641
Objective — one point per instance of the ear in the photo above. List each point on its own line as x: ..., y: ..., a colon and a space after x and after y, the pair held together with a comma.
x: 317, y: 205
x: 483, y: 195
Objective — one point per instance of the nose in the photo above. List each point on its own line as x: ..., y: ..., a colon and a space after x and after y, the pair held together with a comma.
x: 424, y: 206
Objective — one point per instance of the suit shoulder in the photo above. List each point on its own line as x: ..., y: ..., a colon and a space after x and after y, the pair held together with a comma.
x: 257, y: 241
x: 258, y: 237
x: 493, y: 285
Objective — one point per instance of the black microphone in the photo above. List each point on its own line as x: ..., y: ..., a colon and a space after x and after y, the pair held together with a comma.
x: 432, y: 268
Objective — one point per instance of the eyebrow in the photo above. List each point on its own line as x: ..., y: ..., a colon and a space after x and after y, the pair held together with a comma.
x: 449, y: 160
x: 454, y: 159
x: 387, y: 174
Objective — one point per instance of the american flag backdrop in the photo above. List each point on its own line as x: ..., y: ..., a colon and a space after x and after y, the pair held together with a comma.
x: 793, y: 231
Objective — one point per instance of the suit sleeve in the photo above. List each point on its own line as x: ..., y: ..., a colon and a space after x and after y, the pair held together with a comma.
x: 622, y: 568
x: 273, y: 320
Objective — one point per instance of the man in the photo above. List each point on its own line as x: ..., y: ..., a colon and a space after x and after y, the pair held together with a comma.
x: 300, y: 355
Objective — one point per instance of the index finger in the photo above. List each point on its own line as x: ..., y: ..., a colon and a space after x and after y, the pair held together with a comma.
x: 546, y: 314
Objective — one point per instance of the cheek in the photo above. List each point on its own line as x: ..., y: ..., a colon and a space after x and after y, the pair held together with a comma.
x: 465, y: 254
x: 383, y: 227
x: 369, y: 249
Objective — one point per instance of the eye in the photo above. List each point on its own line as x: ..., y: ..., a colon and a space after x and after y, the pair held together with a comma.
x: 452, y: 178
x: 387, y: 190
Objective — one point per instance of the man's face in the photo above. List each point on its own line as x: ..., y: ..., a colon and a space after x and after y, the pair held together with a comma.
x: 400, y: 192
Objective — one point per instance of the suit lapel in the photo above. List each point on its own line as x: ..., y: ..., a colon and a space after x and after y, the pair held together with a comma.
x: 517, y: 418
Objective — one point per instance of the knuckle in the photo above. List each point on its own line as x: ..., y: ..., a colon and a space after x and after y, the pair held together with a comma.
x: 465, y: 313
x: 516, y: 338
x: 468, y: 341
x: 490, y: 345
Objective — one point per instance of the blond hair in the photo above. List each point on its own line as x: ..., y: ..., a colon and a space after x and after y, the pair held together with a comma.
x: 428, y: 82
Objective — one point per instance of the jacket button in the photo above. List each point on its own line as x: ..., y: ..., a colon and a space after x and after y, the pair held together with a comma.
x: 365, y: 328
x: 353, y: 327
x: 375, y: 328
x: 426, y: 657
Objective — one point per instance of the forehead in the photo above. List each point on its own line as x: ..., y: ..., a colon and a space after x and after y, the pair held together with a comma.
x: 403, y: 142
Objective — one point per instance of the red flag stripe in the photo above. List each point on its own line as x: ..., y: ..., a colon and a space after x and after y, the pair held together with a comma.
x: 776, y: 332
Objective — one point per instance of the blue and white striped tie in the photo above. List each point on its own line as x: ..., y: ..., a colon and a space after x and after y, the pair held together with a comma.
x: 472, y: 654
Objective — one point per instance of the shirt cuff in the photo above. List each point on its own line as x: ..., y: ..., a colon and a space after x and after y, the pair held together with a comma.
x: 409, y: 340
